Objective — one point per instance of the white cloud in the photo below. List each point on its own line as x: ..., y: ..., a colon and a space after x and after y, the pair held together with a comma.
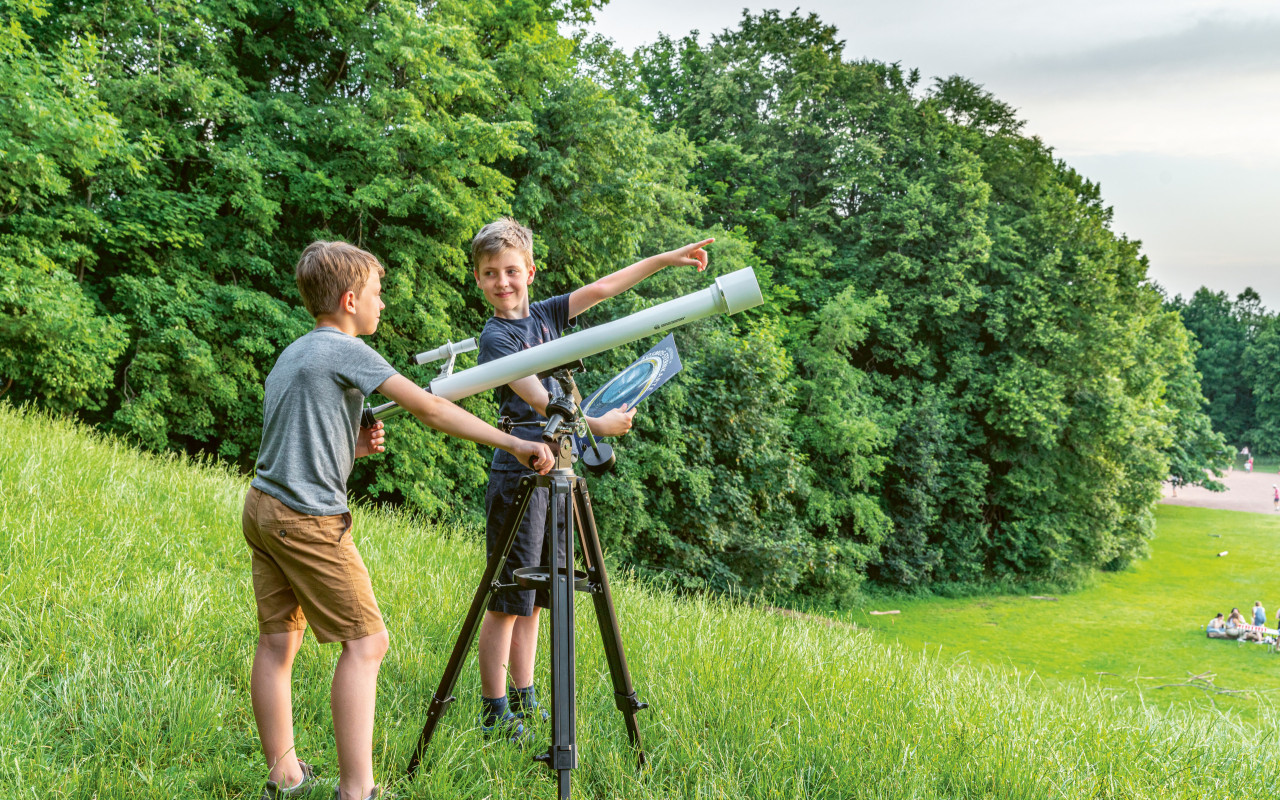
x: 1219, y: 46
x: 1116, y: 87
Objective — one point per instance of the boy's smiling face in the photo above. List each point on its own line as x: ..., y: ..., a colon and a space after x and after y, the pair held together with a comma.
x: 505, y: 278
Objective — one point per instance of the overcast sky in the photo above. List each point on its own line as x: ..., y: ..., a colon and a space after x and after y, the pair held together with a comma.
x: 1173, y: 106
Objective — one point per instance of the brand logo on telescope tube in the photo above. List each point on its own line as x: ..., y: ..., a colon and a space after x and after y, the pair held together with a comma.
x: 668, y: 324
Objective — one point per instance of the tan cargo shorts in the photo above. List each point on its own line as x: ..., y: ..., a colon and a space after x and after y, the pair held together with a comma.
x: 307, y: 570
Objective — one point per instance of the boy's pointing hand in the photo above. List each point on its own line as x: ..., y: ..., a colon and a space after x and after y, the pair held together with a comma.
x: 691, y: 255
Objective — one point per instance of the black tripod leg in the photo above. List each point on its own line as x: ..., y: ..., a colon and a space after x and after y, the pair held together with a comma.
x: 471, y: 625
x: 624, y: 694
x: 563, y: 753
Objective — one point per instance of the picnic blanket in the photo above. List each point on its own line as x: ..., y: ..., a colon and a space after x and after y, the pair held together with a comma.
x: 1262, y: 629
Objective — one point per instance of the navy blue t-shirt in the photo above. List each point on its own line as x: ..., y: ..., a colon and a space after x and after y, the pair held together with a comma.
x: 501, y: 337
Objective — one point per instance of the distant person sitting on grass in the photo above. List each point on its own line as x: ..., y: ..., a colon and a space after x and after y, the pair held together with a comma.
x: 1259, y: 614
x: 306, y: 569
x: 1217, y: 628
x: 1234, y: 622
x: 1234, y: 628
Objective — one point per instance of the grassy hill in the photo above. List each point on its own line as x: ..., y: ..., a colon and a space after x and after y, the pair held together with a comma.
x: 127, y: 629
x: 1138, y: 633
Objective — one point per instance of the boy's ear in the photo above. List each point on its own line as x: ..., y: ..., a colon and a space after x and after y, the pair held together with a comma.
x: 348, y: 302
x: 532, y: 269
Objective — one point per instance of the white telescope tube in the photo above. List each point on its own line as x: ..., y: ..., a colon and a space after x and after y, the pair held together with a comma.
x: 730, y: 294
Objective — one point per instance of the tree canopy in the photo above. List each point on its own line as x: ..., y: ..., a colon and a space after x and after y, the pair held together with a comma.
x: 961, y: 373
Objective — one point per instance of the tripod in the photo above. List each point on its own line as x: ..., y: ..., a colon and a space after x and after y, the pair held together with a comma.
x: 560, y: 581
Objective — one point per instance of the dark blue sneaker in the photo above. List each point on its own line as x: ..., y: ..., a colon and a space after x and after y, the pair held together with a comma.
x: 498, y: 720
x: 523, y: 702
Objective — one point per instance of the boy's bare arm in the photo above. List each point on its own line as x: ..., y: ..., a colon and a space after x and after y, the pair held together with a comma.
x: 691, y: 255
x: 444, y: 416
x: 614, y: 423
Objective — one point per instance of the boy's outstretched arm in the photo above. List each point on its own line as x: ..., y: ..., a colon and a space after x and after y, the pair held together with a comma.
x: 691, y: 255
x: 444, y: 416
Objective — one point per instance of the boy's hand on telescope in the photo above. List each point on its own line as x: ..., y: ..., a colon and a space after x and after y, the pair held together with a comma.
x: 370, y: 440
x: 691, y: 255
x: 615, y: 422
x: 534, y: 455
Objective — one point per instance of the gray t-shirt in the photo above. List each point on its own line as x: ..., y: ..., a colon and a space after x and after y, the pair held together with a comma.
x: 310, y: 418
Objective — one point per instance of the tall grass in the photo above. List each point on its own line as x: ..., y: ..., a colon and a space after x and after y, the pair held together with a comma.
x: 127, y: 629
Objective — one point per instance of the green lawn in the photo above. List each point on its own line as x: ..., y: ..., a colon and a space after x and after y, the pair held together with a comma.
x: 1131, y: 631
x: 127, y: 630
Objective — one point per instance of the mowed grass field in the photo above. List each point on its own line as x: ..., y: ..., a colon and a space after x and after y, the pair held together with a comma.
x: 1139, y: 633
x: 127, y: 630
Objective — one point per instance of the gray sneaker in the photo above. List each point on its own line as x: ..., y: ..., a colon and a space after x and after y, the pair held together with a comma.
x: 376, y: 794
x: 274, y: 791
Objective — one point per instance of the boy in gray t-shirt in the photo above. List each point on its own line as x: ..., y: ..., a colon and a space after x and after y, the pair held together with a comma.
x: 306, y: 568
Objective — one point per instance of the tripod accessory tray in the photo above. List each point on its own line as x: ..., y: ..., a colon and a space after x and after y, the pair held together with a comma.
x: 540, y: 578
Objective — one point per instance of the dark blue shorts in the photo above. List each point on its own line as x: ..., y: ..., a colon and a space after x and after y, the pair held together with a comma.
x: 531, y: 548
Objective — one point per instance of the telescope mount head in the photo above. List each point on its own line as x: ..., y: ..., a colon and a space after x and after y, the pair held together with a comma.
x: 564, y: 418
x: 564, y: 415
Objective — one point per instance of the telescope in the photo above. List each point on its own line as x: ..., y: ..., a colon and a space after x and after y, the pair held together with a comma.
x: 729, y: 294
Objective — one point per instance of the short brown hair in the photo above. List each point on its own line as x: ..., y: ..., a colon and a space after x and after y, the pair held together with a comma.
x: 503, y: 234
x: 328, y: 270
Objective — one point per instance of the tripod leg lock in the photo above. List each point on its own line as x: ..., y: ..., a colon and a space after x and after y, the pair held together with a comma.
x: 628, y: 702
x: 558, y: 758
x: 439, y: 706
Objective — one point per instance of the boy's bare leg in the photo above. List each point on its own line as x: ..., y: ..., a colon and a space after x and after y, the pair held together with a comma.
x: 355, y: 689
x: 524, y: 648
x: 271, y: 694
x: 494, y: 652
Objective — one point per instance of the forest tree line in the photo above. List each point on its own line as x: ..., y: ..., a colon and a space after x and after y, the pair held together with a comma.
x: 1238, y: 357
x: 961, y: 373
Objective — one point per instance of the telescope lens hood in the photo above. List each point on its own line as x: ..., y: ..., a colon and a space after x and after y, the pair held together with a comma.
x: 739, y: 290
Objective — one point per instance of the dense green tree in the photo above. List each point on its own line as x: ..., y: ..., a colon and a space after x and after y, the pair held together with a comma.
x: 401, y: 127
x: 57, y: 343
x: 1261, y: 366
x: 1017, y: 418
x: 1223, y: 330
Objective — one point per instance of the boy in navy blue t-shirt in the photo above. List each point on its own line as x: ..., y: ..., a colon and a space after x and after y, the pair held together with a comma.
x: 502, y: 256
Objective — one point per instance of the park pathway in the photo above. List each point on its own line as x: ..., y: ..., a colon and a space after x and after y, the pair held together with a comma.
x: 1245, y: 492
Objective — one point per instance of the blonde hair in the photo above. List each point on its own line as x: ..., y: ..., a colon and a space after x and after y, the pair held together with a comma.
x: 502, y: 234
x: 328, y: 270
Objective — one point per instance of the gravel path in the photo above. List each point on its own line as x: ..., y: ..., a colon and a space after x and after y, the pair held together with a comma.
x: 1245, y: 492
